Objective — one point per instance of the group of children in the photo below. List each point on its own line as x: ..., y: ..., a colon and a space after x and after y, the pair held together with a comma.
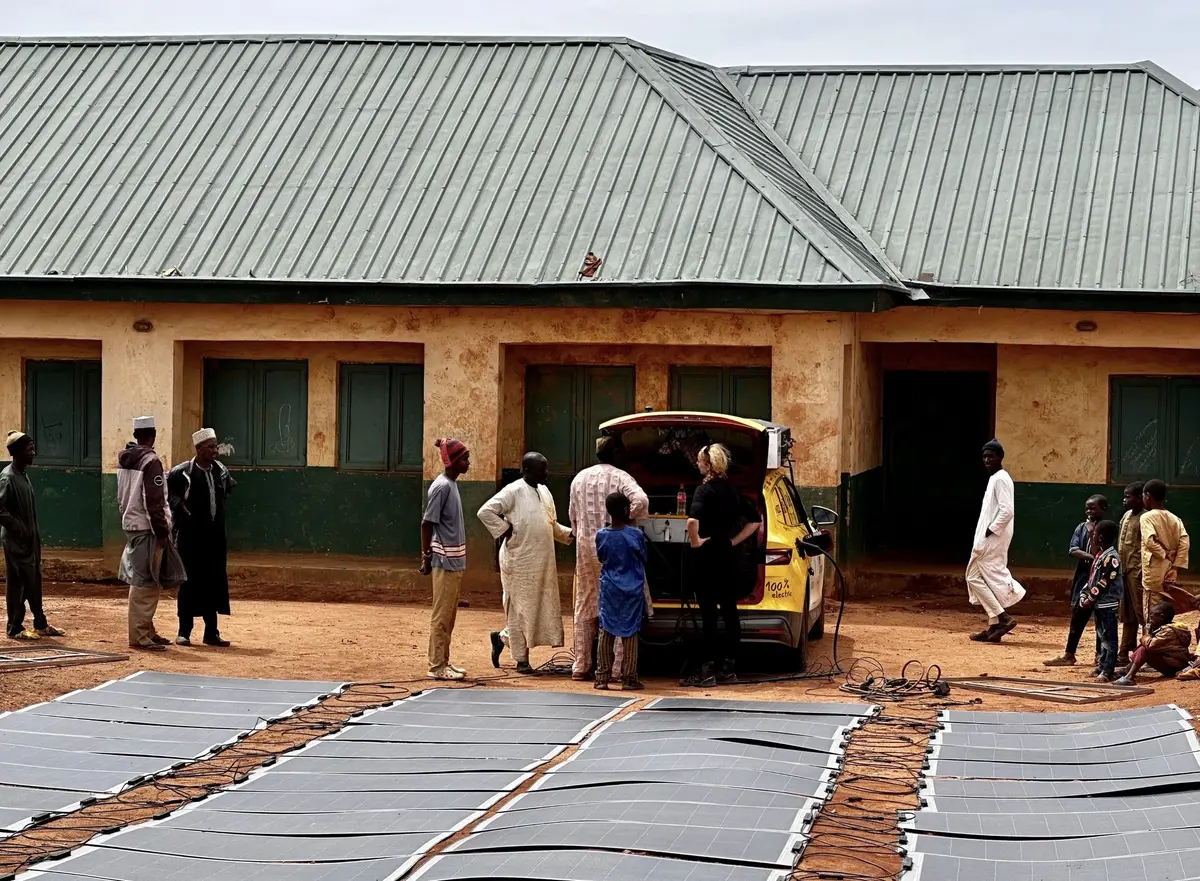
x: 1126, y: 574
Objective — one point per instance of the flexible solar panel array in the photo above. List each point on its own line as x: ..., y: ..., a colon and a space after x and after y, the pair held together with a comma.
x: 683, y: 789
x: 1050, y: 796
x: 87, y: 745
x: 364, y: 803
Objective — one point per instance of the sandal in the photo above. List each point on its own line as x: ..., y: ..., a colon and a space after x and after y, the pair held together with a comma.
x: 1191, y: 674
x: 24, y: 636
x: 50, y: 630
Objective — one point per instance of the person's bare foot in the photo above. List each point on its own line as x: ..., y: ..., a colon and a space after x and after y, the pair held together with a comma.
x: 1060, y: 661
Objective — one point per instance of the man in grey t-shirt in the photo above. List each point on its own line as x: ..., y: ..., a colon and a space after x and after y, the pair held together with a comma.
x: 444, y: 554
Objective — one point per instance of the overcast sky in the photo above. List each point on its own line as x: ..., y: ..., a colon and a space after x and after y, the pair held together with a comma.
x: 799, y: 32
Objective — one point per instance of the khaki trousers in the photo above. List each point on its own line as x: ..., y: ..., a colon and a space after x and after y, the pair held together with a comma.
x: 446, y: 586
x: 143, y: 603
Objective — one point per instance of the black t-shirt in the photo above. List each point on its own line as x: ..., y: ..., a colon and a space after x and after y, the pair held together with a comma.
x: 719, y: 509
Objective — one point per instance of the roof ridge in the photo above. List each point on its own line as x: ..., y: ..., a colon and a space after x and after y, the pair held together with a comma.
x: 164, y: 39
x: 789, y: 156
x: 744, y: 167
x: 1156, y: 72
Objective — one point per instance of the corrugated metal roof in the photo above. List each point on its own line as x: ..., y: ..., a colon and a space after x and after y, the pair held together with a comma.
x: 399, y: 160
x: 1057, y: 178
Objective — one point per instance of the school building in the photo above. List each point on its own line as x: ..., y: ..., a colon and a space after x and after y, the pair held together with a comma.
x: 335, y: 250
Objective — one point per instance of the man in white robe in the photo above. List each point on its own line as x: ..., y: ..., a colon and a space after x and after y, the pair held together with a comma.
x: 523, y: 516
x: 989, y: 583
x: 588, y: 514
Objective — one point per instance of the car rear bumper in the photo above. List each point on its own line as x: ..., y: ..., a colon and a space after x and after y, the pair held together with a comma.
x: 766, y: 627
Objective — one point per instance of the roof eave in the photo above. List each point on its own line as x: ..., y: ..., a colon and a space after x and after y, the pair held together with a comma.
x: 600, y: 294
x: 1057, y: 299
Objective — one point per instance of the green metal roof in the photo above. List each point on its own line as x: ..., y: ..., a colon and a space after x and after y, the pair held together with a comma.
x: 1066, y: 178
x: 402, y: 160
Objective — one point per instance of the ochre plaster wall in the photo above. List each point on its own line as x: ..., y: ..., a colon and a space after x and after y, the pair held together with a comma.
x: 147, y: 372
x: 1030, y: 327
x: 1052, y: 406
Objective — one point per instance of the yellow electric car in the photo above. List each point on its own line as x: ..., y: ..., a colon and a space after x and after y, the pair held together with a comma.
x: 782, y: 574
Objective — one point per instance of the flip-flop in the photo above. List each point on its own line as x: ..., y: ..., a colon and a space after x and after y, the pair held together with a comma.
x: 50, y: 630
x: 24, y: 636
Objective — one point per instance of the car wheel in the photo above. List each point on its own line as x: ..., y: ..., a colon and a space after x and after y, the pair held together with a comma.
x: 818, y: 630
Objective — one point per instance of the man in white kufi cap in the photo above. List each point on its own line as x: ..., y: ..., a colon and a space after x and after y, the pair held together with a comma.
x: 150, y: 561
x: 197, y: 491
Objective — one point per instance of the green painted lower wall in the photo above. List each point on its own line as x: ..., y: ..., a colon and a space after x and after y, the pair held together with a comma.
x: 1047, y: 513
x: 325, y: 511
x: 68, y: 506
x: 861, y: 504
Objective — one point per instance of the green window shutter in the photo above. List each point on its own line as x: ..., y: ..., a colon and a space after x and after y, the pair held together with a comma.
x: 363, y: 435
x: 1185, y: 412
x: 283, y: 413
x: 734, y: 391
x: 609, y: 393
x: 228, y: 399
x: 749, y: 392
x: 550, y: 414
x: 1137, y: 424
x: 408, y: 389
x: 381, y: 414
x: 50, y: 413
x: 92, y: 450
x: 697, y: 388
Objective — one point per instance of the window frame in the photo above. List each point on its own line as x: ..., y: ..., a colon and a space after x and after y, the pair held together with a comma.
x: 1169, y: 386
x: 256, y: 414
x: 397, y: 375
x: 80, y: 370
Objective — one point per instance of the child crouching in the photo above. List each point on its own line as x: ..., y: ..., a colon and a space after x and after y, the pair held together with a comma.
x: 621, y: 549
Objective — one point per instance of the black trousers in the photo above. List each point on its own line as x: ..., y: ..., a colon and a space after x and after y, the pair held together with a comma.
x: 23, y: 585
x: 1079, y: 621
x: 210, y: 626
x: 714, y: 575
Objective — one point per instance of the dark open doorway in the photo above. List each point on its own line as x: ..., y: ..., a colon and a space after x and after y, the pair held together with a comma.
x: 934, y: 426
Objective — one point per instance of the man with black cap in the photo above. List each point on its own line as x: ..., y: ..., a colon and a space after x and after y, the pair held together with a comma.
x: 989, y: 583
x: 22, y: 543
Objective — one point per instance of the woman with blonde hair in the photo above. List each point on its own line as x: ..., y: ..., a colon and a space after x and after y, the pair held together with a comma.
x: 715, y: 528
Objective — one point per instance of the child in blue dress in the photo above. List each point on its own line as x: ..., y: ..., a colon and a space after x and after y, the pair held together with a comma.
x: 621, y: 549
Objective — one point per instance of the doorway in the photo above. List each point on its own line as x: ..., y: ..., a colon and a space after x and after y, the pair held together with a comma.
x: 935, y: 424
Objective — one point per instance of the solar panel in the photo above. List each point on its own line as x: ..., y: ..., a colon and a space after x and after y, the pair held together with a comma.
x: 1171, y: 866
x: 373, y: 805
x: 1059, y: 824
x: 570, y: 865
x: 1058, y: 797
x: 92, y: 743
x: 1172, y: 745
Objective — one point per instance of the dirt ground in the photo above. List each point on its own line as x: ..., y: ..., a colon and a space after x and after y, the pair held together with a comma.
x: 364, y: 642
x: 373, y: 643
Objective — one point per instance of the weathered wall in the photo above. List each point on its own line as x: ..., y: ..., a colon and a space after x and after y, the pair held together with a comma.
x: 464, y: 353
x: 1052, y: 406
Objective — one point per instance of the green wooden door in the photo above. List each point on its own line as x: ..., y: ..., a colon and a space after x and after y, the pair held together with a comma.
x: 564, y: 406
x: 735, y: 391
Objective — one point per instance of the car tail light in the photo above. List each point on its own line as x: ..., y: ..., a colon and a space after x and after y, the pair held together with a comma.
x: 778, y: 556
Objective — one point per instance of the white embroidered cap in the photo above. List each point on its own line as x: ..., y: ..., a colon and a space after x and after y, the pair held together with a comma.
x: 204, y: 434
x: 140, y: 422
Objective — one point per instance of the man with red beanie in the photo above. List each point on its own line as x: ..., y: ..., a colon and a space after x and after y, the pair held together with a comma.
x: 444, y: 554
